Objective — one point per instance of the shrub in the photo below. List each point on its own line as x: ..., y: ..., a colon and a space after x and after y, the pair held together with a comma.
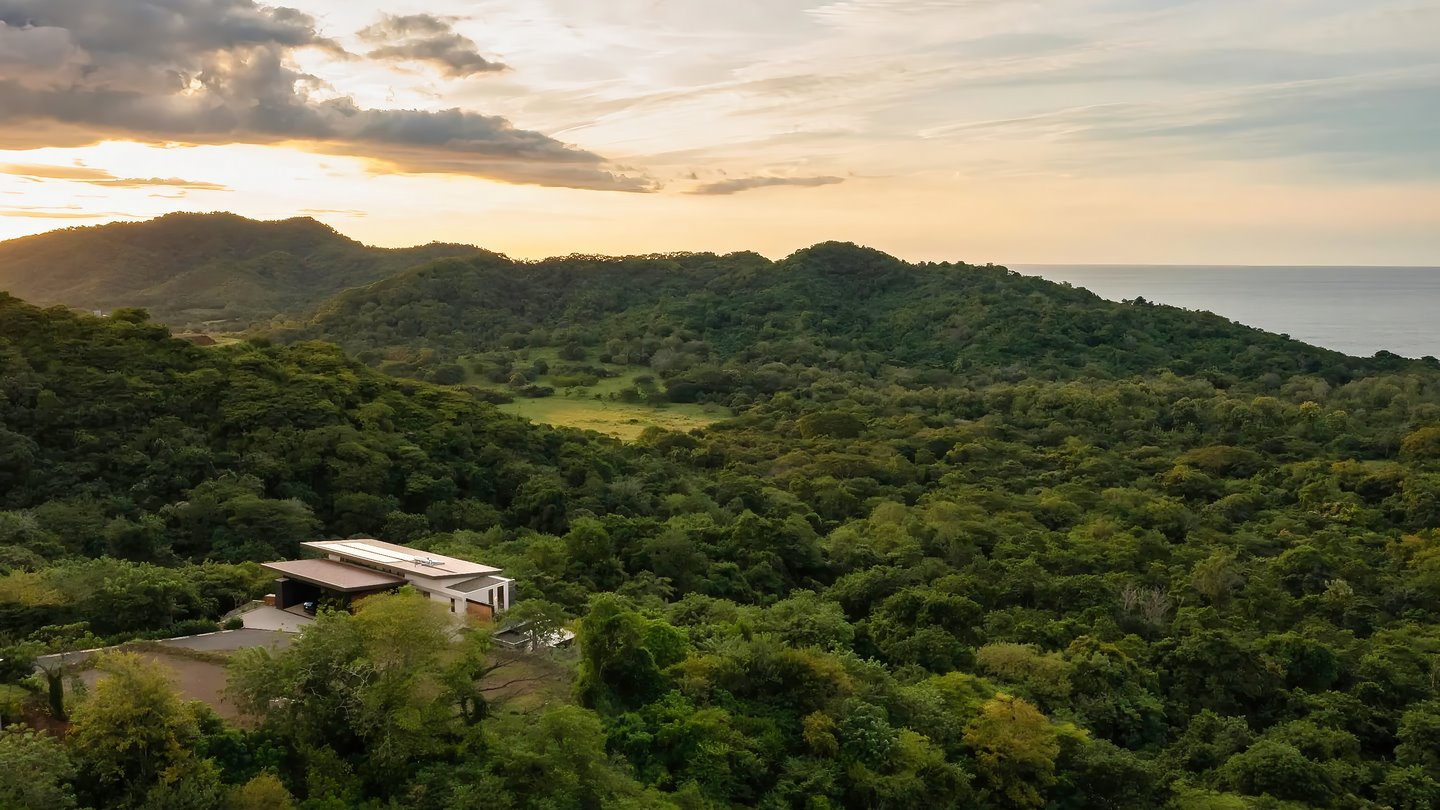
x: 447, y: 374
x: 1423, y: 443
x: 830, y: 425
x: 191, y: 627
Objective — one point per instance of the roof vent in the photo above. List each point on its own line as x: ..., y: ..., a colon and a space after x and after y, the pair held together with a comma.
x: 428, y: 562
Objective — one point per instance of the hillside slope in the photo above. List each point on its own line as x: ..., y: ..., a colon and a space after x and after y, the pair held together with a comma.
x: 830, y: 307
x: 117, y: 414
x: 214, y: 271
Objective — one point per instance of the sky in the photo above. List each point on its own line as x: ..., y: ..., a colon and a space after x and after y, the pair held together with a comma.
x: 1008, y: 131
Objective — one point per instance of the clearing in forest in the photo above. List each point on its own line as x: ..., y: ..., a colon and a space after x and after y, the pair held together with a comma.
x: 621, y: 420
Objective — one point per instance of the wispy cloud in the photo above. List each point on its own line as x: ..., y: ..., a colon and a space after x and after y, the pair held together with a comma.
x: 1380, y: 125
x: 346, y: 212
x: 61, y: 212
x: 100, y: 177
x: 735, y: 185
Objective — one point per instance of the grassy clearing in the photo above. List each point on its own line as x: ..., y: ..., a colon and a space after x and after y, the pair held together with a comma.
x: 618, y: 419
x: 579, y: 408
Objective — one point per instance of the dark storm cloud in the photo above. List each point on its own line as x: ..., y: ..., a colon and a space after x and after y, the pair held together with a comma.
x: 736, y: 185
x: 100, y: 177
x: 75, y: 72
x: 429, y: 39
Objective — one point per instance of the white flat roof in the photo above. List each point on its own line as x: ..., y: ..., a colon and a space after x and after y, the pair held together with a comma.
x: 401, y: 558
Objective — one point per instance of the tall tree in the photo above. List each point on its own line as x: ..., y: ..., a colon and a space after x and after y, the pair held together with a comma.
x: 131, y: 734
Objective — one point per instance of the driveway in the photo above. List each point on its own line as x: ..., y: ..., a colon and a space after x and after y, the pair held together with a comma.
x: 232, y: 640
x: 194, y: 680
x: 274, y: 619
x: 221, y: 641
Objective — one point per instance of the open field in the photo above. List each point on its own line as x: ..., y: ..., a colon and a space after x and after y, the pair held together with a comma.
x: 618, y: 419
x: 578, y: 407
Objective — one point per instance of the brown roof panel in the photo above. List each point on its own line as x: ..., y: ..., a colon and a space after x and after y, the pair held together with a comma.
x: 337, y: 576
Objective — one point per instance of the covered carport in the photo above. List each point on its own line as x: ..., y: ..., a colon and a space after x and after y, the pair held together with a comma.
x: 302, y: 581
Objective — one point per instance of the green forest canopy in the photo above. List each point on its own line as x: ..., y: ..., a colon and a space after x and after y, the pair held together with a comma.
x: 1116, y: 556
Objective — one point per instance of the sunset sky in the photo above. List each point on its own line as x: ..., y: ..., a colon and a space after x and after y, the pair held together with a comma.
x: 1013, y: 131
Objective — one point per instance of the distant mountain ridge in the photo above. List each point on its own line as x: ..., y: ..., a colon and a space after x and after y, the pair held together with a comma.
x: 201, y: 271
x: 831, y: 307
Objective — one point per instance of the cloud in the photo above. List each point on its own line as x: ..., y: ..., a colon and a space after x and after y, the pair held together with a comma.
x: 735, y: 185
x: 429, y: 39
x: 63, y: 212
x: 100, y: 177
x: 347, y: 212
x: 76, y: 72
x: 1377, y: 126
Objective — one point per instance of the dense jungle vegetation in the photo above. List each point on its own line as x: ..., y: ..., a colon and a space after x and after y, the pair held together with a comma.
x: 965, y: 540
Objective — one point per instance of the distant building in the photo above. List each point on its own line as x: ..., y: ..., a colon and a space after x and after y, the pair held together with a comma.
x: 351, y: 569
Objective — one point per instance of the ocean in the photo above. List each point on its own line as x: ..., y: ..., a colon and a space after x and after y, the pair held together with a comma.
x: 1355, y: 310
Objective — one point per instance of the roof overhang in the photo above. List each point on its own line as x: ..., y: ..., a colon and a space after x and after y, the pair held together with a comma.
x: 335, y: 576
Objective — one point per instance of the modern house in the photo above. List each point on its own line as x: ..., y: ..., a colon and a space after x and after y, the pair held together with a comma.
x: 351, y: 569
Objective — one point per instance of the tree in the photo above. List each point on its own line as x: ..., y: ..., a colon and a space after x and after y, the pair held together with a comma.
x: 191, y: 783
x: 140, y: 540
x: 1273, y: 768
x: 447, y: 374
x: 35, y: 772
x: 1015, y: 749
x: 618, y: 663
x: 131, y: 734
x: 264, y: 792
x: 830, y: 425
x: 387, y: 686
x: 555, y: 758
x: 1409, y: 788
x: 540, y: 622
x: 1419, y: 736
x: 1422, y: 444
x: 60, y: 641
x: 231, y: 519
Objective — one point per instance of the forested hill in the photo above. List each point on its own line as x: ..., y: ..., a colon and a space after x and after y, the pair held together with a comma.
x: 835, y: 306
x: 111, y: 423
x: 214, y: 271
